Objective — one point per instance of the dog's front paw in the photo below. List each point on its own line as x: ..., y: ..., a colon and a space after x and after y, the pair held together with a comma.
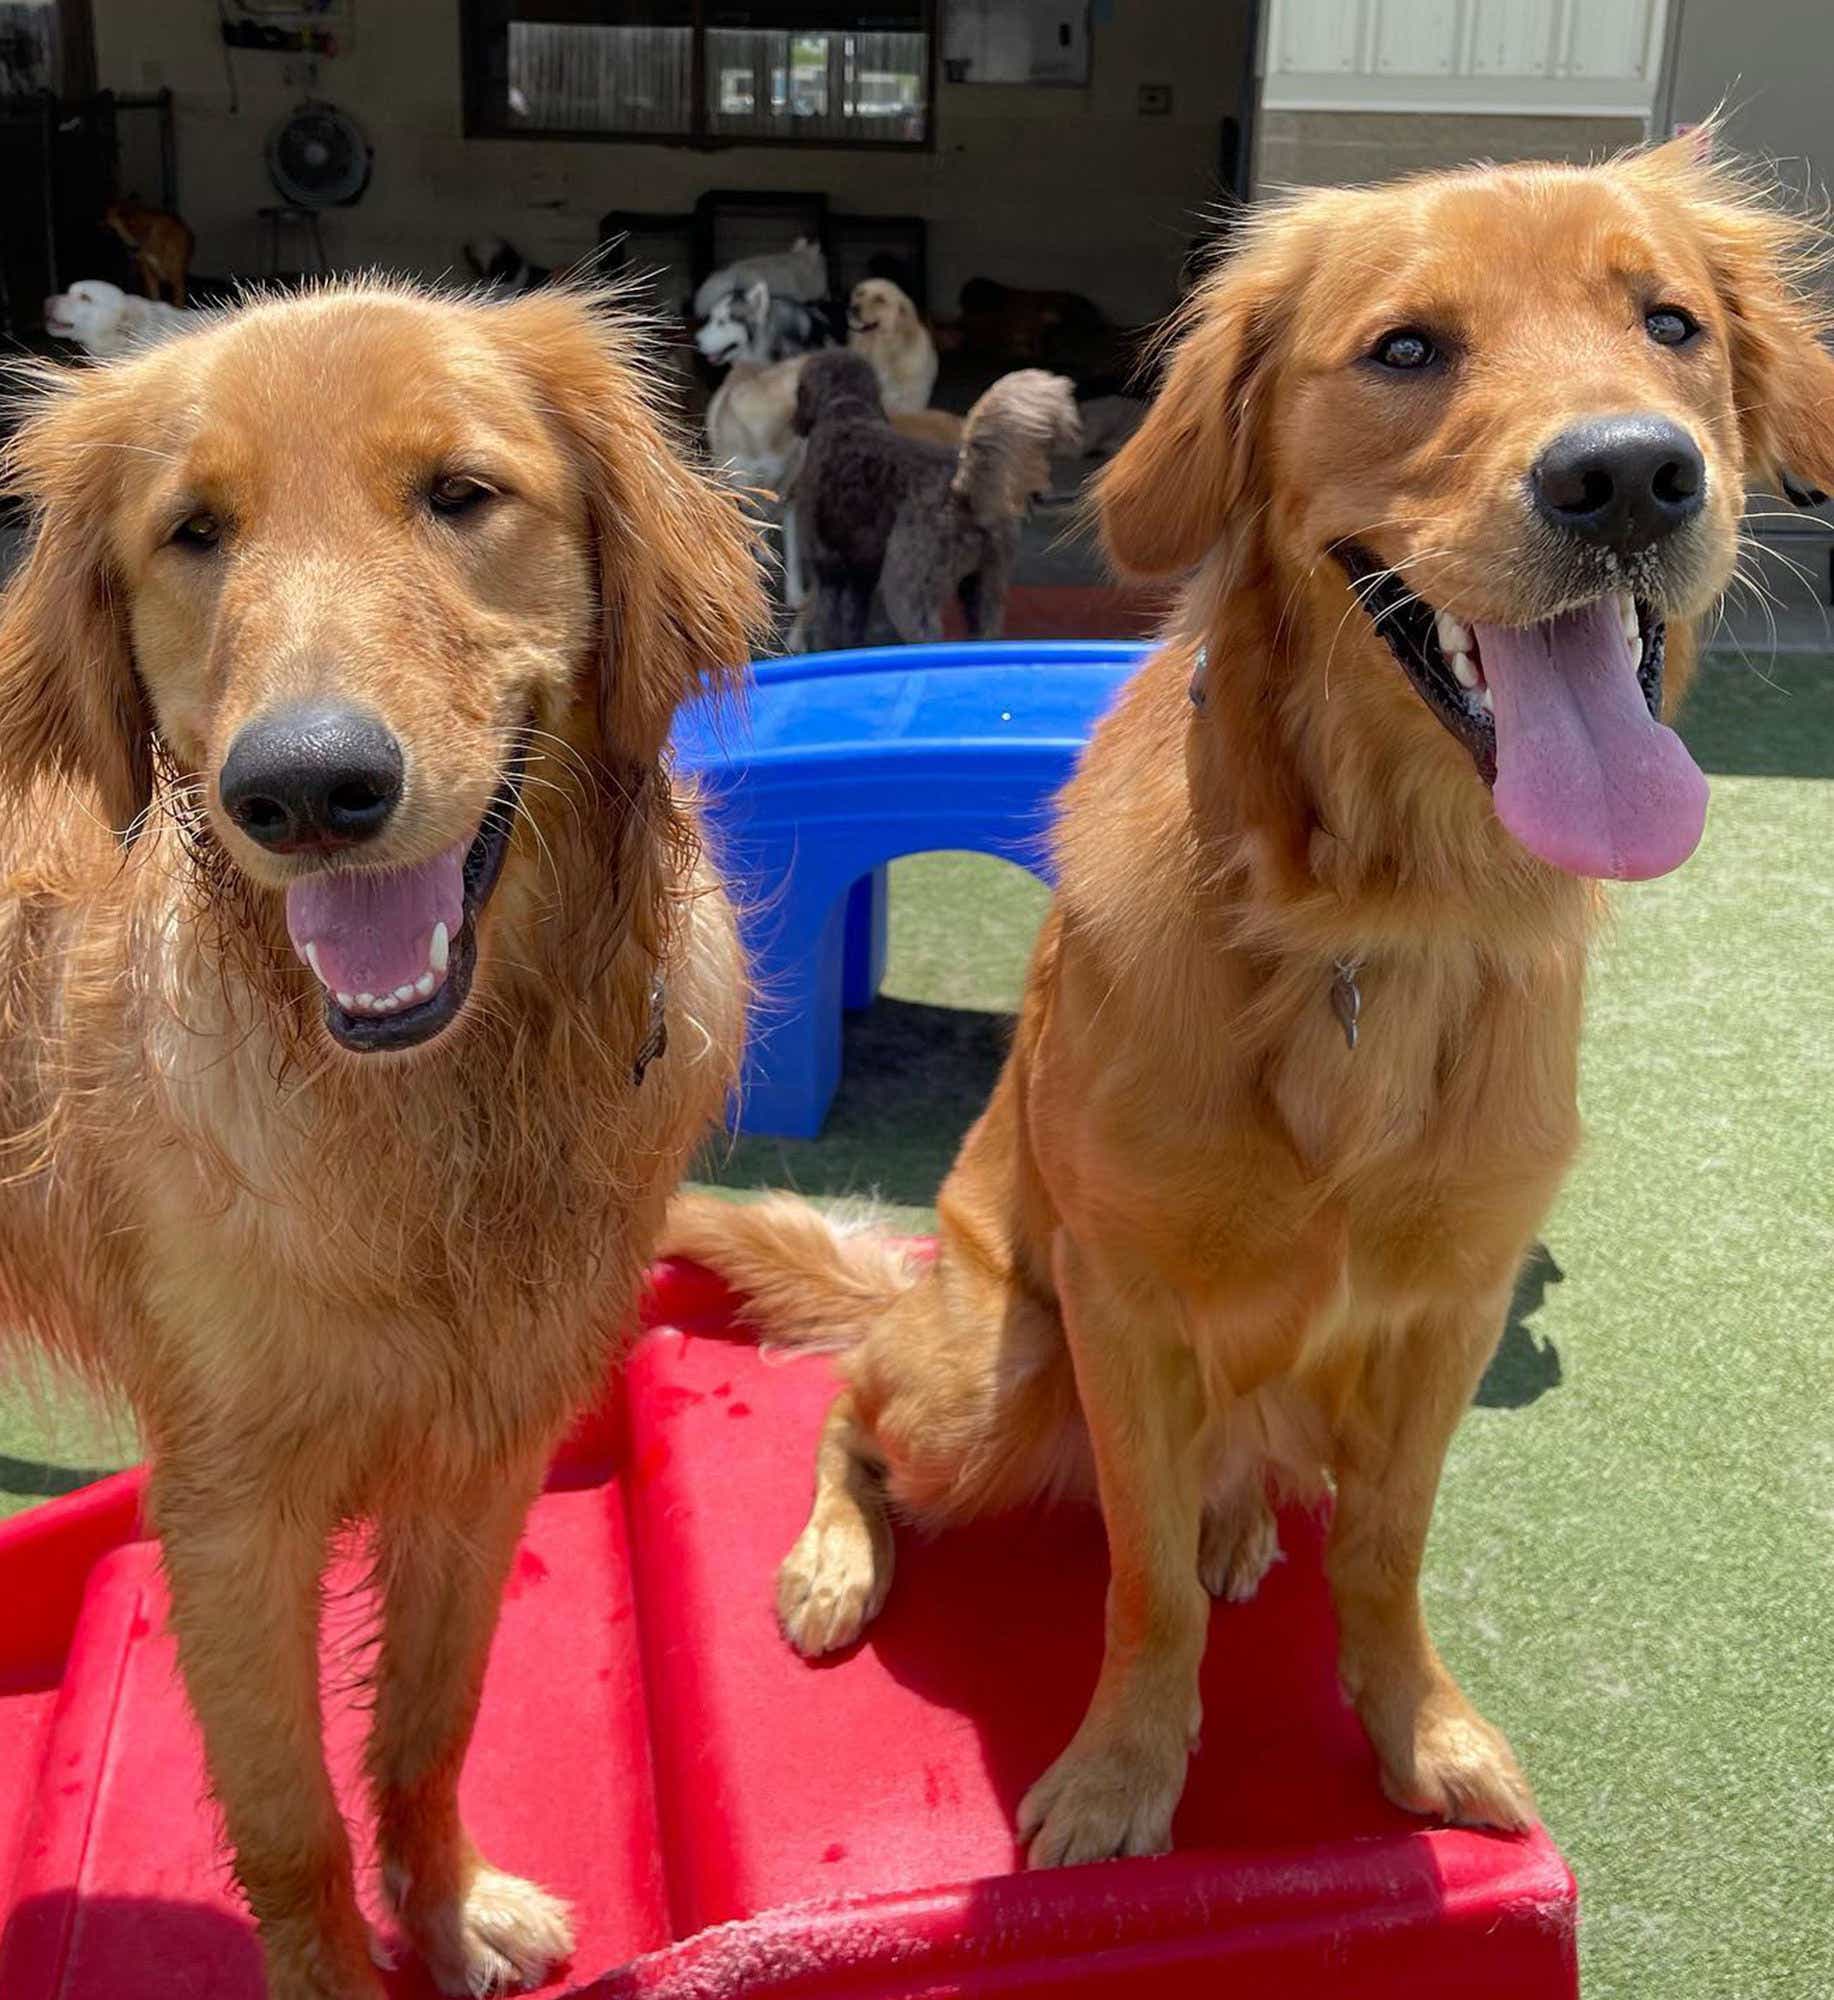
x: 1446, y: 1761
x: 501, y: 1935
x: 833, y: 1584
x: 1107, y: 1795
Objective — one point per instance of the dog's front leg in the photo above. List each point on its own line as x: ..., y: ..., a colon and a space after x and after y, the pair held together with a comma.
x: 244, y: 1575
x: 1438, y: 1754
x: 442, y: 1570
x: 1114, y: 1790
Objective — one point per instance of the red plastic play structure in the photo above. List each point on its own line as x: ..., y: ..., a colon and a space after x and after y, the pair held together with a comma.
x: 726, y: 1819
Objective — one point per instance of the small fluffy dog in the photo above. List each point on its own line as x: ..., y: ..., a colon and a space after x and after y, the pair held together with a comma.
x: 911, y: 520
x: 107, y: 322
x: 884, y: 325
x: 1294, y: 1078
x: 499, y: 266
x: 754, y: 325
x: 366, y: 992
x: 799, y: 273
x: 162, y: 245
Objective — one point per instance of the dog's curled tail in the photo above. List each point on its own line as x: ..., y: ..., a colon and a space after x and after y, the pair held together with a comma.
x: 1008, y: 441
x: 808, y: 1280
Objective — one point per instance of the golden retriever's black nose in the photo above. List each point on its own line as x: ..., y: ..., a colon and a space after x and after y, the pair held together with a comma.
x: 1624, y: 482
x: 313, y: 776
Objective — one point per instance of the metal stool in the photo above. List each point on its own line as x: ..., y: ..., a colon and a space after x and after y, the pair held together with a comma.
x: 305, y: 235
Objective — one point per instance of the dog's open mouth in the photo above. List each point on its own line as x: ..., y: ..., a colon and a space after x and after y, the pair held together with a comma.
x: 395, y: 949
x: 1562, y: 719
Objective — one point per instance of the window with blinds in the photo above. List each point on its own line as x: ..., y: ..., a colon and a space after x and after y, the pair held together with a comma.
x: 778, y: 72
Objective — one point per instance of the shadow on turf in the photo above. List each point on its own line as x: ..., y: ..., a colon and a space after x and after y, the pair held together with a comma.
x: 30, y: 1479
x: 1766, y: 717
x: 1523, y: 1368
x: 913, y: 1079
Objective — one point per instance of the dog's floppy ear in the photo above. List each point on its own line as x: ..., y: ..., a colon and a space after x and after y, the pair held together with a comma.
x: 71, y: 704
x: 1169, y: 496
x: 681, y: 602
x: 1770, y: 269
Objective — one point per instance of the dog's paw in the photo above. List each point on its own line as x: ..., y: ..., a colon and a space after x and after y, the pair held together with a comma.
x: 832, y: 1584
x: 504, y: 1934
x: 1447, y: 1762
x: 1240, y: 1544
x: 1103, y: 1798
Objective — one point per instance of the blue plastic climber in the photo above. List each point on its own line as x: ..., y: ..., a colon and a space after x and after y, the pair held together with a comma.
x: 845, y: 761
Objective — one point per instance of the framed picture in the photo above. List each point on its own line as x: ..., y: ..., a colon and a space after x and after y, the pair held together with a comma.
x: 1016, y: 41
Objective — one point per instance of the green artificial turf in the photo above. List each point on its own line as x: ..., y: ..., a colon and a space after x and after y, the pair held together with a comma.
x: 1631, y: 1562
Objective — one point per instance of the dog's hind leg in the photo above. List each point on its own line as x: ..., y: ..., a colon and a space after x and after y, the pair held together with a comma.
x: 832, y: 1584
x: 913, y: 581
x: 243, y: 1571
x: 442, y: 1570
x: 845, y: 607
x: 983, y: 591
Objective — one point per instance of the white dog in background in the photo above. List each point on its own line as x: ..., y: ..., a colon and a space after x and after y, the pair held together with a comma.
x: 106, y: 321
x: 800, y: 273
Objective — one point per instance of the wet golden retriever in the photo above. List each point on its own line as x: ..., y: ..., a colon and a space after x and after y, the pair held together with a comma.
x: 348, y: 908
x: 1448, y: 469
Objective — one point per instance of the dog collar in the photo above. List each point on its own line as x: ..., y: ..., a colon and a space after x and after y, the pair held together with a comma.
x: 655, y: 1042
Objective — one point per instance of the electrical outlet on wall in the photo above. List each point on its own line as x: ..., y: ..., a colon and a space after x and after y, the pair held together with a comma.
x: 1155, y: 100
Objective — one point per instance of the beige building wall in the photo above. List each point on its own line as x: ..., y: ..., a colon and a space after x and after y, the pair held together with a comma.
x: 1772, y: 65
x: 1037, y: 186
x: 1335, y: 148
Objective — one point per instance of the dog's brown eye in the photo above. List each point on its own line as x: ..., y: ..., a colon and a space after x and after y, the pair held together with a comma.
x: 1406, y: 347
x: 457, y: 493
x: 1669, y: 326
x: 198, y: 531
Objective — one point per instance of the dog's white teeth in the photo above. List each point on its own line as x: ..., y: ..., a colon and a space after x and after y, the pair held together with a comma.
x: 1626, y: 612
x: 1486, y: 702
x: 312, y: 960
x: 1453, y: 636
x: 439, y: 949
x: 404, y: 994
x: 346, y: 1001
x: 424, y: 985
x: 1464, y: 669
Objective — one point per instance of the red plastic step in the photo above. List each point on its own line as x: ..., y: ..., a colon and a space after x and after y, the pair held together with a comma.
x: 864, y: 1783
x: 121, y: 1887
x: 729, y: 1820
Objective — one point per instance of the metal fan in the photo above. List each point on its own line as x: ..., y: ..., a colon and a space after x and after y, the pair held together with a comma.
x: 319, y: 156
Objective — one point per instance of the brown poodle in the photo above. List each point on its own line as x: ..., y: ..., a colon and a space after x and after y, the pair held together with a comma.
x: 876, y: 510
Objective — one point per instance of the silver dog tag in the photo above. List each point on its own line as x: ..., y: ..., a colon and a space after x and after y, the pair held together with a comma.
x: 1347, y: 999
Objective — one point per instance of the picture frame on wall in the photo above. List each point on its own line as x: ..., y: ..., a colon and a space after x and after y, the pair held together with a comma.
x: 1016, y: 41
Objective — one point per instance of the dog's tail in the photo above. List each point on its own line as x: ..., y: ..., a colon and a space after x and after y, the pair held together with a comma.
x: 1008, y: 441
x: 808, y: 1280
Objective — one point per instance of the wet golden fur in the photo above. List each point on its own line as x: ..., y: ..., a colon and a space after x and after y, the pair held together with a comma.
x: 342, y: 1288
x: 1196, y: 1245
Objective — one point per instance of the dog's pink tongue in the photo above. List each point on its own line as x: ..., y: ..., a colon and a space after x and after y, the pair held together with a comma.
x: 1586, y: 777
x: 370, y: 931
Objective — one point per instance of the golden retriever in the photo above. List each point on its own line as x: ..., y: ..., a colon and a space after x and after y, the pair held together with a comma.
x: 885, y: 326
x: 1448, y: 469
x: 364, y: 995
